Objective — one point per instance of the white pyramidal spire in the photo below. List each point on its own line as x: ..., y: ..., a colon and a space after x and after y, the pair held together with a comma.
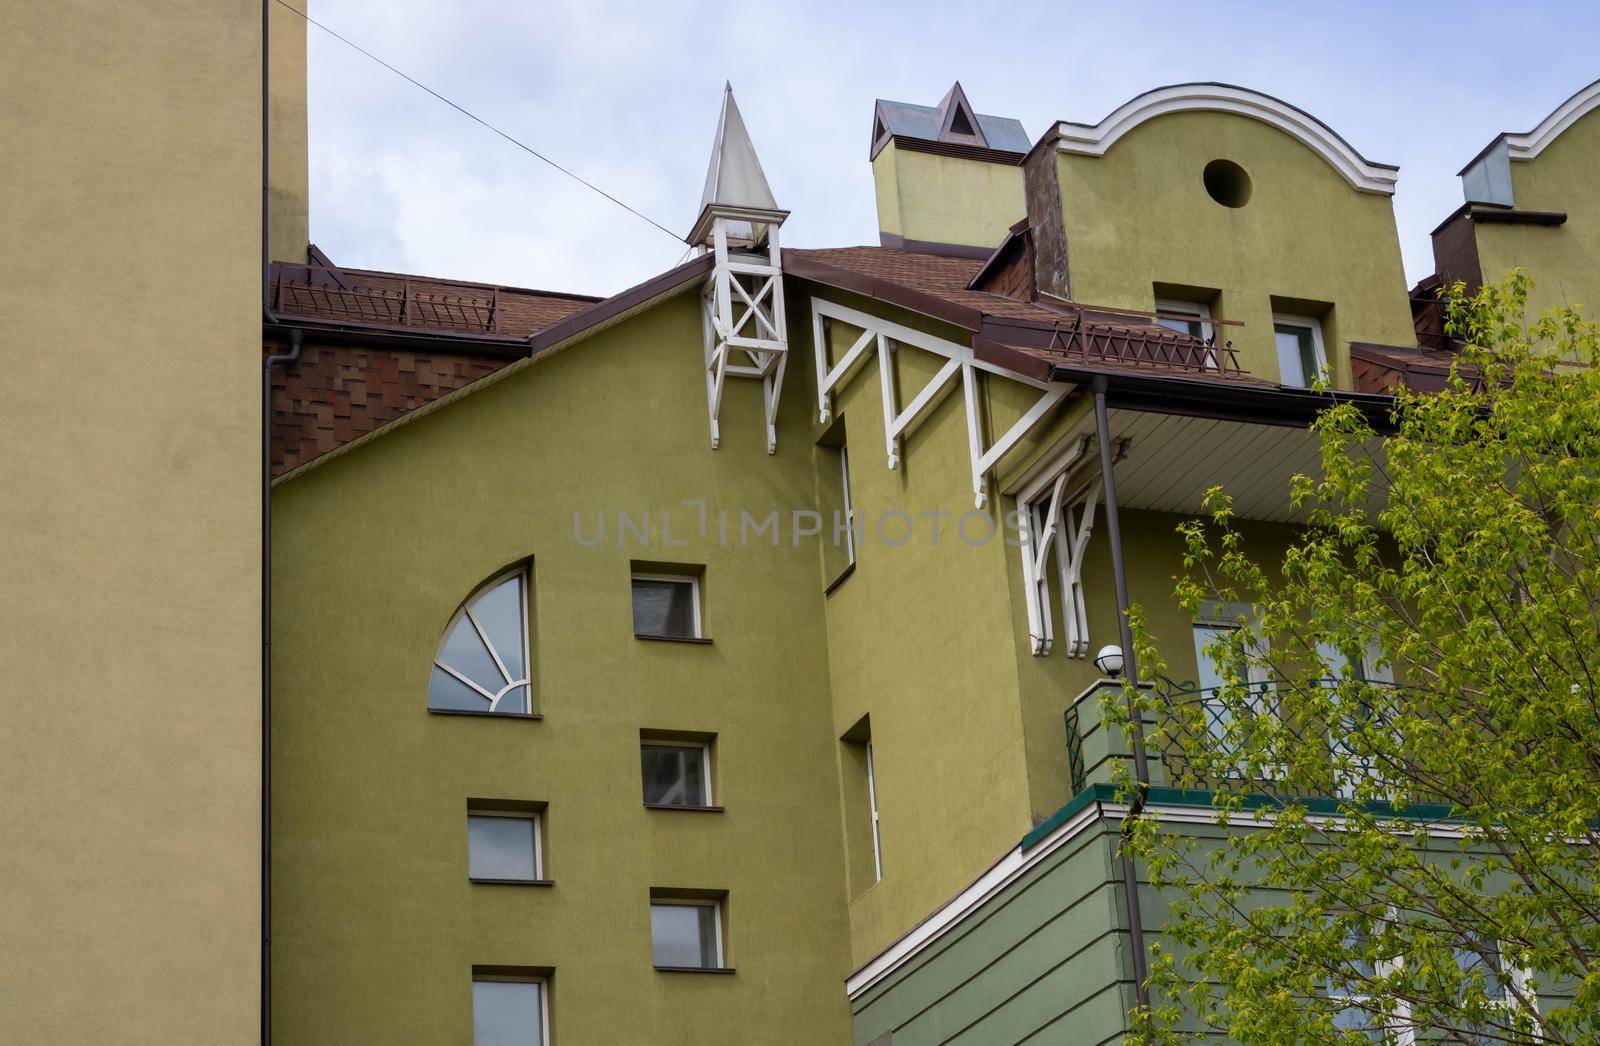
x: 746, y: 333
x: 735, y: 178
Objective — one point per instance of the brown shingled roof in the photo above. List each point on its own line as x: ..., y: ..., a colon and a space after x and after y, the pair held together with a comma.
x: 1032, y: 337
x: 937, y: 275
x: 379, y: 345
x: 391, y: 300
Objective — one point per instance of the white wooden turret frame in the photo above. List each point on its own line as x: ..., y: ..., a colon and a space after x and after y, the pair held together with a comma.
x: 746, y: 332
x: 884, y: 336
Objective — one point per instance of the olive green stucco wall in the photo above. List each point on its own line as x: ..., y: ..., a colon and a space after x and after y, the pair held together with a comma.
x: 946, y: 199
x: 930, y: 639
x: 376, y: 925
x: 1564, y: 260
x: 919, y: 639
x: 1140, y: 216
x: 130, y: 530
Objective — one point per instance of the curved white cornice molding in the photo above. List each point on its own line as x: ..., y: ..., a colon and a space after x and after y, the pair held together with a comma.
x: 1321, y: 139
x: 1529, y: 144
x: 1487, y: 178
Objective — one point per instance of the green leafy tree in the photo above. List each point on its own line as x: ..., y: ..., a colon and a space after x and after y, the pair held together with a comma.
x: 1411, y: 719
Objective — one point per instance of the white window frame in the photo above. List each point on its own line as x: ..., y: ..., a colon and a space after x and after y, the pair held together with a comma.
x: 849, y: 505
x: 538, y: 842
x: 544, y: 998
x: 525, y: 573
x: 705, y: 765
x: 872, y: 807
x: 692, y: 580
x: 1345, y: 786
x: 1235, y: 617
x: 1193, y: 309
x: 715, y: 904
x: 1406, y: 1030
x: 1311, y: 323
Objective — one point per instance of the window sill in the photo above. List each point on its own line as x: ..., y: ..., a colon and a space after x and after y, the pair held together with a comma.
x: 694, y: 969
x: 485, y: 715
x: 705, y: 640
x: 690, y: 809
x: 836, y: 582
x: 511, y: 882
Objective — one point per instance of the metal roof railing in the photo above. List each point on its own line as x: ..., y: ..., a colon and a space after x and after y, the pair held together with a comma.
x: 336, y: 294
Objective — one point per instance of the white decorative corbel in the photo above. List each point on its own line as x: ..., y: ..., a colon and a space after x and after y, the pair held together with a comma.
x: 886, y: 337
x: 1057, y: 520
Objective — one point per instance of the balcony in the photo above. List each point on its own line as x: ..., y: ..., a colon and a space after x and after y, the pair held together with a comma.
x: 1195, y: 741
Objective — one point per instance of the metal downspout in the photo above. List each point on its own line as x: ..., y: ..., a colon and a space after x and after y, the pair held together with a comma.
x: 265, y: 1001
x: 295, y: 338
x: 1130, y: 668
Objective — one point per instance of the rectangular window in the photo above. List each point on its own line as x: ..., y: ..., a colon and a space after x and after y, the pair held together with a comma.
x: 858, y: 796
x: 1301, y: 357
x: 676, y: 774
x: 1220, y: 620
x: 1357, y: 717
x: 1185, y: 317
x: 836, y: 506
x: 1485, y: 959
x: 503, y: 843
x: 1348, y: 986
x: 666, y: 606
x: 849, y: 508
x: 509, y: 1011
x: 686, y: 934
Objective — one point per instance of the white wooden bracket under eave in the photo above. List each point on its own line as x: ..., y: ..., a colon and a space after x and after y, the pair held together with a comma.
x: 885, y: 337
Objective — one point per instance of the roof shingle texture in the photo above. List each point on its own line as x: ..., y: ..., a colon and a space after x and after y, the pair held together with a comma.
x: 423, y: 302
x: 934, y: 274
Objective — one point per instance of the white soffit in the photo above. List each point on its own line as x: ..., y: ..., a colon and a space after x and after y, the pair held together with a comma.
x: 1173, y: 460
x: 1096, y: 139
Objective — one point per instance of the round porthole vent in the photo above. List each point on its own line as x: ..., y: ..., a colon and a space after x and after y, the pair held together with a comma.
x: 1227, y: 183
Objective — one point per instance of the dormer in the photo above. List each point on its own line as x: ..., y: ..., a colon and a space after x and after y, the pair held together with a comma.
x: 949, y: 179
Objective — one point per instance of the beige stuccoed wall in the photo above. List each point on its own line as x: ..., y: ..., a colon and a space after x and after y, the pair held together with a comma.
x: 130, y: 523
x: 289, y: 198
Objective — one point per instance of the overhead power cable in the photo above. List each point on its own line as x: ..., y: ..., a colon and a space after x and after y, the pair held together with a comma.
x: 469, y: 114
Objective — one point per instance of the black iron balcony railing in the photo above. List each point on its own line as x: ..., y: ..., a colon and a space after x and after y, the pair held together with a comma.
x: 1208, y: 736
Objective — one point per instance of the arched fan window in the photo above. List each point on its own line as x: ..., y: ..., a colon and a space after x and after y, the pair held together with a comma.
x: 482, y: 663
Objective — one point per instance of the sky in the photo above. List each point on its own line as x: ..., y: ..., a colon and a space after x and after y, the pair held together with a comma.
x: 626, y: 95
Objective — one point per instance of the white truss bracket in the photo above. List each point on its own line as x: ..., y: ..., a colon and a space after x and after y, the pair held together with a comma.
x: 886, y: 338
x: 1056, y: 522
x: 746, y: 333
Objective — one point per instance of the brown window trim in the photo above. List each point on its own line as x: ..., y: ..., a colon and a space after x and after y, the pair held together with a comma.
x: 704, y: 640
x: 512, y: 882
x: 677, y: 806
x: 695, y: 969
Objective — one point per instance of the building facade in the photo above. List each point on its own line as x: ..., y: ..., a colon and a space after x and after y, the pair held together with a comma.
x: 711, y: 662
x: 815, y: 550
